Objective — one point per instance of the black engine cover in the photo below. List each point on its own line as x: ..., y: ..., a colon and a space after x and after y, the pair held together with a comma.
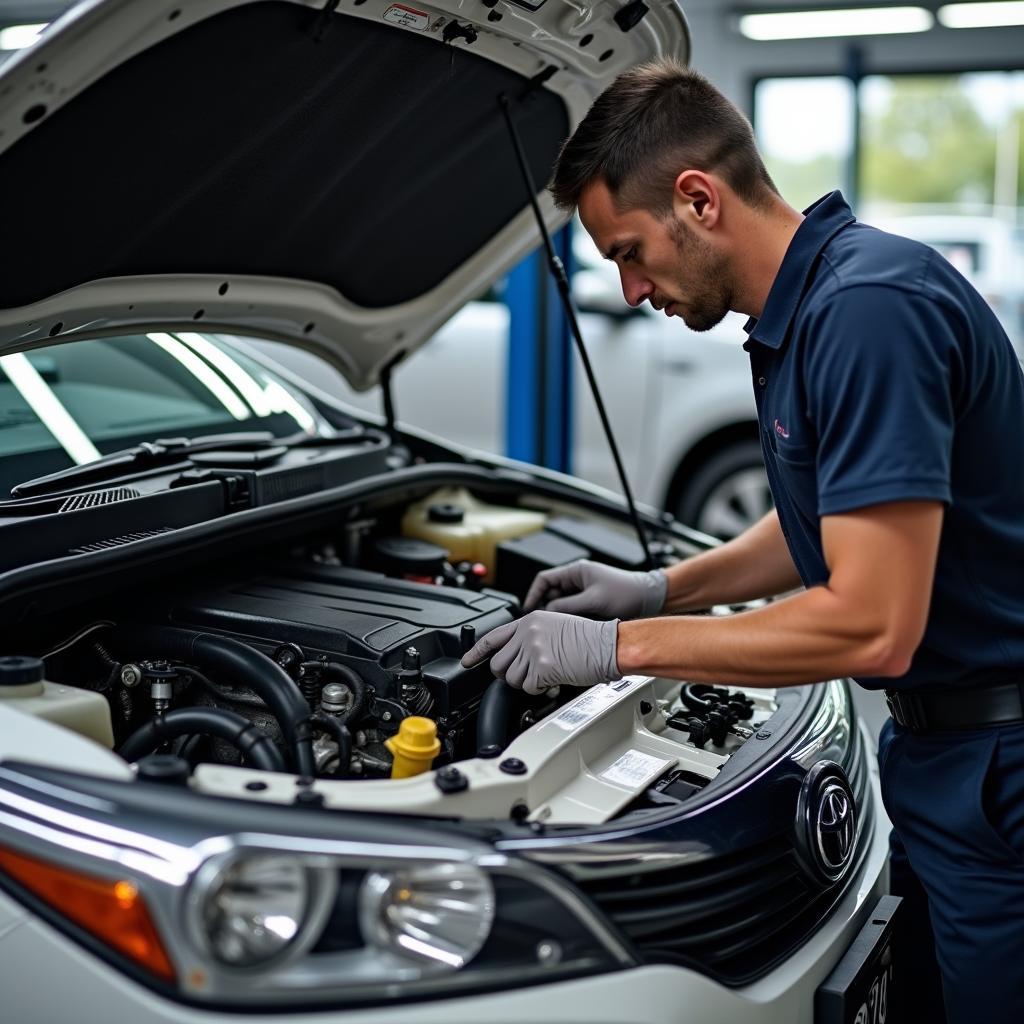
x: 363, y: 619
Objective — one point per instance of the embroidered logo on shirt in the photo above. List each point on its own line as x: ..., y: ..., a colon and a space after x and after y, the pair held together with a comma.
x: 781, y: 430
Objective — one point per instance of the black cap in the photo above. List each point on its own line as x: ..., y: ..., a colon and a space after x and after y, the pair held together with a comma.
x: 446, y: 513
x: 16, y: 670
x: 409, y: 555
x: 165, y: 769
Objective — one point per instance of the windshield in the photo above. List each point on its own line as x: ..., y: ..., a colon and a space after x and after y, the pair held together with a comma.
x: 66, y: 405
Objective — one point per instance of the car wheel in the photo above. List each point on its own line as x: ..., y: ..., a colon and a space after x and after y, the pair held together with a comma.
x: 727, y: 493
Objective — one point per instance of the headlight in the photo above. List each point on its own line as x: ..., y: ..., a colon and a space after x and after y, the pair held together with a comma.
x: 438, y: 915
x: 276, y: 918
x: 259, y: 909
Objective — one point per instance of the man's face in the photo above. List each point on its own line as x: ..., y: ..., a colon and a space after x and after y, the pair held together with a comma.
x: 660, y: 260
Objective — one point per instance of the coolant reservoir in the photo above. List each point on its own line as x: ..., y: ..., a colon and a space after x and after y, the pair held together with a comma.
x: 22, y: 686
x: 468, y: 528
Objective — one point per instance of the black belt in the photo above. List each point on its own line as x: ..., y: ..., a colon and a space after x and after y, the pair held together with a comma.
x: 970, y: 707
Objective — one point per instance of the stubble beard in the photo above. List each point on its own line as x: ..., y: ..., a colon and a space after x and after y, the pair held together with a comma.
x: 710, y: 296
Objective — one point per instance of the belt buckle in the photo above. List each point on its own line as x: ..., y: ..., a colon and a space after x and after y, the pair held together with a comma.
x: 905, y: 711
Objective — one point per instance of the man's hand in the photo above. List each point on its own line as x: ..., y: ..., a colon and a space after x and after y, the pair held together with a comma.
x: 599, y: 591
x: 545, y: 649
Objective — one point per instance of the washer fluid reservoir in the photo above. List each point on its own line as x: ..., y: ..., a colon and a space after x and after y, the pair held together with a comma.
x: 22, y: 686
x: 469, y: 529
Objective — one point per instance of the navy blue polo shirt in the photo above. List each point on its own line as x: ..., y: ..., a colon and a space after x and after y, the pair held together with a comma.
x: 881, y: 375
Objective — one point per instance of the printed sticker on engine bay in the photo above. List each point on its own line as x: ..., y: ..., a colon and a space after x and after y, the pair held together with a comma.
x: 594, y: 701
x: 635, y: 768
x: 407, y: 17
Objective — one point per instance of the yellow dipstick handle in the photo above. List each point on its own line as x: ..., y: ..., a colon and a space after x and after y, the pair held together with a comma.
x: 414, y: 746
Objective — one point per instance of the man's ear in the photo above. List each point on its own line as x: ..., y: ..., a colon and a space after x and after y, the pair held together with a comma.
x: 696, y: 199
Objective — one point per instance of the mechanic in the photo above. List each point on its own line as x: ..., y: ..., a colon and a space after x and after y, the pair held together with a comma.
x: 891, y: 407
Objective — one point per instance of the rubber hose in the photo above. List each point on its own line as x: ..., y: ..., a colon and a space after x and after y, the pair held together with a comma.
x: 254, y: 744
x: 340, y: 734
x: 492, y: 719
x: 689, y: 695
x: 244, y: 666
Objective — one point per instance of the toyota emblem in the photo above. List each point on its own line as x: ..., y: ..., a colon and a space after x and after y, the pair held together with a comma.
x: 826, y: 822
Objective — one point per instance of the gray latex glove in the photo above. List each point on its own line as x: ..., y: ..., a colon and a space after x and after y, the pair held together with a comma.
x: 599, y: 591
x: 545, y: 649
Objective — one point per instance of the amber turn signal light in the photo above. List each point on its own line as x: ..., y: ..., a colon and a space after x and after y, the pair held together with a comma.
x: 113, y: 912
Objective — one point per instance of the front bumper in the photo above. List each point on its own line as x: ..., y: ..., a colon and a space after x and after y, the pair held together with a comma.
x: 46, y: 977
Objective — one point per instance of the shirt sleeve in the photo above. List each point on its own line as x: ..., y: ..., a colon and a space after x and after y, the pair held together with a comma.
x: 880, y: 376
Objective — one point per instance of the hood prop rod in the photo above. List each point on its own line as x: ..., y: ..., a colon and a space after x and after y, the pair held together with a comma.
x: 387, y: 394
x: 561, y: 280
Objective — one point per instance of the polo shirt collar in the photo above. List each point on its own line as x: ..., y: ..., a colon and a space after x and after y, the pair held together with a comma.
x: 821, y: 221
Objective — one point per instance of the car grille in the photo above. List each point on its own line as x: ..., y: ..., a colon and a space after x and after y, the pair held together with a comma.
x: 735, y: 916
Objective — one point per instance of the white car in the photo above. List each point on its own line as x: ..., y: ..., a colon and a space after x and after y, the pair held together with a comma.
x: 242, y: 769
x: 987, y: 250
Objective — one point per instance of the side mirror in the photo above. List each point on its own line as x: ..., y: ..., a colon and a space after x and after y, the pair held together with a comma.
x: 595, y: 292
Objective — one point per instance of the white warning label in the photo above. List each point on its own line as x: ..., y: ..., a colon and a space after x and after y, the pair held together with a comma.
x: 635, y: 768
x: 407, y: 17
x: 594, y: 701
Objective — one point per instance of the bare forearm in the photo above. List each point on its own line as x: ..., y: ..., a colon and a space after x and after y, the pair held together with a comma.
x: 804, y: 638
x: 756, y: 564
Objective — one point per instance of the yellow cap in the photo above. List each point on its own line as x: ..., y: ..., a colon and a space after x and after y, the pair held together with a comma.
x: 414, y: 747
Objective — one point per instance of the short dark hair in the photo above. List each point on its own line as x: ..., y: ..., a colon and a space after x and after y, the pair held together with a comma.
x: 650, y: 123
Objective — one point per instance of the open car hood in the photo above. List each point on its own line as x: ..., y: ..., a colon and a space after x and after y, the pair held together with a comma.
x: 339, y: 175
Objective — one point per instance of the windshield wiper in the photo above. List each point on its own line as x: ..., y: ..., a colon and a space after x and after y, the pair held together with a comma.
x: 168, y: 451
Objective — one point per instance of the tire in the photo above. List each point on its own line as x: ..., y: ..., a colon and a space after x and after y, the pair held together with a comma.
x: 727, y: 493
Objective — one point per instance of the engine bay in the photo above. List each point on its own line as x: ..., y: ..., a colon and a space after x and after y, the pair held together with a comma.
x: 304, y: 672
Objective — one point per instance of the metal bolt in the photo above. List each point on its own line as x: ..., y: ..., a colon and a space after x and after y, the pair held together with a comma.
x: 386, y: 717
x: 763, y: 734
x: 130, y: 675
x: 335, y: 698
x: 549, y: 952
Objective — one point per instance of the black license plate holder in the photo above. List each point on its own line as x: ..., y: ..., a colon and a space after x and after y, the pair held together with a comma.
x: 860, y: 988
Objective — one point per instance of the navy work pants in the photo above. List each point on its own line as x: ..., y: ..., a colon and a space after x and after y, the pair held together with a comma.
x: 956, y: 801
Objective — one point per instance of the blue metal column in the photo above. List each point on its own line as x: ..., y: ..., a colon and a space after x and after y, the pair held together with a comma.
x: 539, y: 392
x: 522, y: 399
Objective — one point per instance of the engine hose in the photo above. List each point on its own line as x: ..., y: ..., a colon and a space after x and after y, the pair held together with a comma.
x: 492, y: 719
x: 692, y: 695
x: 340, y: 734
x: 244, y: 666
x: 351, y: 678
x: 254, y: 744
